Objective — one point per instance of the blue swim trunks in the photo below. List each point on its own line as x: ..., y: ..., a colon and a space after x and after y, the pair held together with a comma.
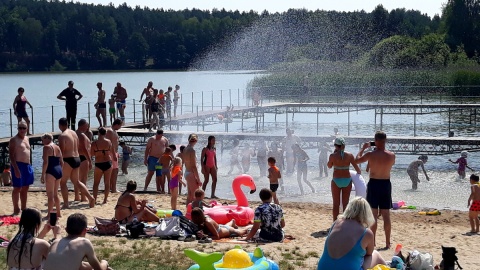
x: 153, y: 165
x: 121, y: 104
x: 26, y: 175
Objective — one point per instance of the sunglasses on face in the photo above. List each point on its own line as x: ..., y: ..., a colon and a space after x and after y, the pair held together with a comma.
x: 22, y: 128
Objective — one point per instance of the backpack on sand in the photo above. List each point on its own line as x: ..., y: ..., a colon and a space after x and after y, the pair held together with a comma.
x: 449, y: 258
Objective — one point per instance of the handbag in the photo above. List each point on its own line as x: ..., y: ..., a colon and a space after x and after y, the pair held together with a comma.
x: 106, y: 226
x: 135, y: 229
x: 169, y: 228
x: 420, y: 261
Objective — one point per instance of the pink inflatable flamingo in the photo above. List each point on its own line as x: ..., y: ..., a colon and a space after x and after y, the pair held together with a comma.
x: 241, y: 213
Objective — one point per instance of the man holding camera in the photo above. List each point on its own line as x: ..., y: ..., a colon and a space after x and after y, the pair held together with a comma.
x: 379, y: 188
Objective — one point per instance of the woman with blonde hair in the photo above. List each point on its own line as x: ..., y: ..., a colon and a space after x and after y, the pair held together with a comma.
x: 350, y: 243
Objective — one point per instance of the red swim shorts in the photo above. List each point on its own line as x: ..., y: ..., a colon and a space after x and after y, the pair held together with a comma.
x: 475, y: 206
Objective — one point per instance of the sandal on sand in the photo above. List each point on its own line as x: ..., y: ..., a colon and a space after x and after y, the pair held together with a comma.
x: 190, y: 238
x: 205, y: 240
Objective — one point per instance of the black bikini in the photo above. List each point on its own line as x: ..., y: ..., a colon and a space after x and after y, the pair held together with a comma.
x: 74, y: 162
x: 125, y: 220
x: 104, y: 166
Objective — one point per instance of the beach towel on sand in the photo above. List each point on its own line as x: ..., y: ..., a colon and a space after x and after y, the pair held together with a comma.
x: 9, y: 220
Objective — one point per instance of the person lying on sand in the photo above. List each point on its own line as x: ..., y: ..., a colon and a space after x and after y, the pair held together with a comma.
x: 213, y: 229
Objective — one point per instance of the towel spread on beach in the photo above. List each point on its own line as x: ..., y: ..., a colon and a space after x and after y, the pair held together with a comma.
x: 9, y: 220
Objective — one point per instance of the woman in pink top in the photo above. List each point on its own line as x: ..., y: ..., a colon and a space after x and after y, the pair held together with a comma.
x: 209, y: 164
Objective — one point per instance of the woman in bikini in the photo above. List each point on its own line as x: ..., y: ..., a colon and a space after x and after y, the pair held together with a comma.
x: 27, y: 250
x: 102, y: 150
x: 209, y: 165
x: 215, y: 230
x: 51, y: 172
x: 128, y: 207
x: 341, y: 182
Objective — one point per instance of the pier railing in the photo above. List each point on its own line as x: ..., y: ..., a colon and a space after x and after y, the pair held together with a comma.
x: 44, y: 118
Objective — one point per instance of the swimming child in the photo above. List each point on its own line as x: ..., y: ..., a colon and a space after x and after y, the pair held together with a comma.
x: 111, y: 108
x: 199, y: 200
x: 234, y: 156
x: 6, y: 176
x: 300, y: 158
x: 462, y: 164
x: 173, y: 185
x: 474, y: 203
x: 273, y: 175
x: 166, y: 162
x: 413, y: 170
x: 247, y: 152
x: 126, y: 152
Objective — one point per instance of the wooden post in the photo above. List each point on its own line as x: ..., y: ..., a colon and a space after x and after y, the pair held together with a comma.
x: 212, y: 100
x: 221, y: 99
x: 53, y: 125
x: 134, y: 114
x: 286, y: 117
x: 381, y: 118
x: 192, y: 106
x: 317, y: 119
x: 414, y: 122
x: 197, y: 114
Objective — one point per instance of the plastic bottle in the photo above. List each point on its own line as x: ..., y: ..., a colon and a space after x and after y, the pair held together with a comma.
x: 135, y: 220
x: 398, y: 249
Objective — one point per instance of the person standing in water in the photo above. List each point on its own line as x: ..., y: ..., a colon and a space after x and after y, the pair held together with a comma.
x: 413, y: 170
x: 323, y: 159
x: 379, y: 187
x: 22, y: 170
x: 288, y: 142
x: 208, y: 161
x: 301, y: 158
x: 126, y: 153
x: 20, y: 108
x: 462, y: 164
x: 101, y: 106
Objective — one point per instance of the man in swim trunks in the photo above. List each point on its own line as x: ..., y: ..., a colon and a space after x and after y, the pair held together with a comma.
x: 153, y: 152
x: 148, y: 92
x: 85, y: 158
x: 112, y: 135
x: 101, y: 106
x: 69, y: 142
x: 22, y: 171
x: 191, y: 172
x: 70, y: 95
x: 121, y: 99
x: 379, y: 188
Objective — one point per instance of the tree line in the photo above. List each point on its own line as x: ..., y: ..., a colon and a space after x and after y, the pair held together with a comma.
x: 39, y: 35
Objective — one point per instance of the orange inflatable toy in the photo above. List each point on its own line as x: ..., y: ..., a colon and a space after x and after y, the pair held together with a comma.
x: 241, y: 213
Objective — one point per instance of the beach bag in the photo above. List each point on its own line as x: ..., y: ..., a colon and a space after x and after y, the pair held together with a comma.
x: 420, y: 261
x: 188, y: 226
x: 449, y: 258
x: 169, y: 228
x: 135, y: 229
x: 106, y: 226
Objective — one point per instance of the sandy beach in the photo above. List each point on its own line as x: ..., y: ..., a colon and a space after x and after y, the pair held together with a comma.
x: 307, y: 222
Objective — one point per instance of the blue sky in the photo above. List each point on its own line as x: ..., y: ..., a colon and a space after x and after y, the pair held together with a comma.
x: 431, y: 7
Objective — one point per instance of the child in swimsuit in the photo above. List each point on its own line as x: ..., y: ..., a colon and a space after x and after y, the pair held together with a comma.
x: 177, y: 176
x: 474, y: 203
x: 166, y: 162
x: 6, y: 176
x: 199, y: 202
x: 215, y: 230
x: 273, y: 175
x: 126, y: 152
x: 462, y: 164
x: 111, y: 108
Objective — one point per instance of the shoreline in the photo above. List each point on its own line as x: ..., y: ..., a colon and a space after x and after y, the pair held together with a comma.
x: 308, y: 222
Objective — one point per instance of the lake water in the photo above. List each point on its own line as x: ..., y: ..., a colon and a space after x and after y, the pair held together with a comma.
x: 223, y: 88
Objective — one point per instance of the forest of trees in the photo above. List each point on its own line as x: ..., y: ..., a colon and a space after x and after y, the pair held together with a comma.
x: 41, y: 35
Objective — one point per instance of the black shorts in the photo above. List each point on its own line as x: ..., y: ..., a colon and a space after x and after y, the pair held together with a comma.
x: 273, y: 187
x: 379, y: 193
